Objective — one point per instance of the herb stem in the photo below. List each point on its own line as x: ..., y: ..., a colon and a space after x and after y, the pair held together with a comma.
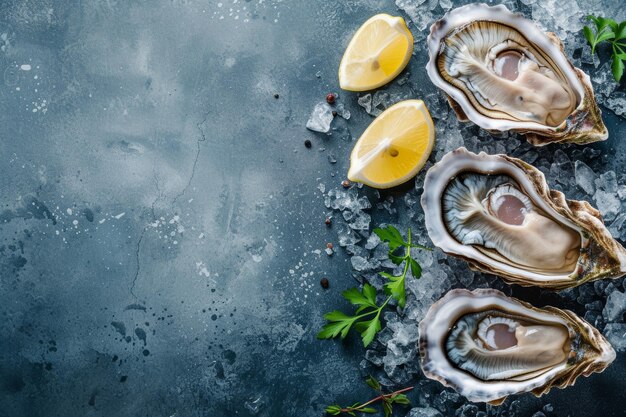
x: 373, y: 400
x: 378, y: 309
x: 408, y: 251
x: 384, y: 304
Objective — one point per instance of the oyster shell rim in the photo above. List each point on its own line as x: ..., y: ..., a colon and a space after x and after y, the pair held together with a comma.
x: 596, y: 240
x: 572, y: 129
x: 543, y: 383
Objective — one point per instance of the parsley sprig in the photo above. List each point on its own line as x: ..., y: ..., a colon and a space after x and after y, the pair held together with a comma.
x: 608, y: 30
x: 395, y: 286
x: 396, y: 397
x: 366, y: 318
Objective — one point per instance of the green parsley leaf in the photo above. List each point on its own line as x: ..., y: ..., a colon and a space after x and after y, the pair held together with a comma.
x: 608, y: 30
x: 400, y: 399
x: 620, y: 32
x: 372, y: 327
x: 602, y: 22
x: 372, y: 382
x: 365, y: 298
x: 366, y: 319
x: 391, y: 235
x: 617, y: 67
x: 395, y: 288
x: 395, y: 259
x: 339, y: 324
x: 333, y: 410
x: 604, y: 36
x: 387, y: 408
x: 416, y: 269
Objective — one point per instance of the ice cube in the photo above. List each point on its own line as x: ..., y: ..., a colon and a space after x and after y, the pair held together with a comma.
x: 424, y: 412
x: 616, y: 335
x: 359, y: 263
x: 374, y: 357
x: 617, y: 103
x: 321, y: 118
x: 445, y: 4
x: 452, y: 139
x: 605, y: 195
x: 411, y: 8
x: 607, y: 203
x: 603, y: 82
x: 585, y: 177
x: 467, y: 410
x: 347, y: 236
x: 437, y: 105
x: 550, y: 14
x: 372, y: 242
x: 618, y: 227
x: 366, y: 102
x: 361, y: 221
x: 364, y: 203
x: 607, y: 182
x: 342, y: 111
x: 357, y: 250
x: 615, y: 307
x: 446, y: 399
x: 254, y: 404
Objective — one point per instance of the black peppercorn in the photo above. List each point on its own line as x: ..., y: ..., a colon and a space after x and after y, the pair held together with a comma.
x: 307, y: 143
x: 324, y: 283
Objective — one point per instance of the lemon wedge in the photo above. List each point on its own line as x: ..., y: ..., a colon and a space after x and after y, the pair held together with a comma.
x: 394, y: 147
x: 377, y: 53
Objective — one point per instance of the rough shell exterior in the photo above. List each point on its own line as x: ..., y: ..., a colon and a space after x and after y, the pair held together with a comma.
x: 583, y: 126
x: 601, y: 256
x: 593, y: 353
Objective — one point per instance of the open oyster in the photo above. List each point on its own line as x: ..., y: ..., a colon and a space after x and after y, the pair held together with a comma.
x: 498, y: 214
x: 502, y: 72
x: 487, y: 346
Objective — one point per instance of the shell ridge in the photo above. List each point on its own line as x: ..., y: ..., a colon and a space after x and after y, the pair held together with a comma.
x: 583, y: 125
x: 600, y: 256
x: 593, y: 352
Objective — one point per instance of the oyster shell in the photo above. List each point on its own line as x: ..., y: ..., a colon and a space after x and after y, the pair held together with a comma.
x: 502, y: 72
x: 487, y: 346
x: 498, y: 214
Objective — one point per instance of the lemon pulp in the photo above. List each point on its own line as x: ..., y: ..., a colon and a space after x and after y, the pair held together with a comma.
x: 377, y: 53
x: 394, y: 147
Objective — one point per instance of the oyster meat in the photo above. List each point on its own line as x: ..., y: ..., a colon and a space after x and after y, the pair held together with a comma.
x: 502, y: 72
x: 498, y: 213
x: 487, y: 346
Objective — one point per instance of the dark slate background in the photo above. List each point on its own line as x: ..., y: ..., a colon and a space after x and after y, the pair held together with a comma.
x: 155, y: 196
